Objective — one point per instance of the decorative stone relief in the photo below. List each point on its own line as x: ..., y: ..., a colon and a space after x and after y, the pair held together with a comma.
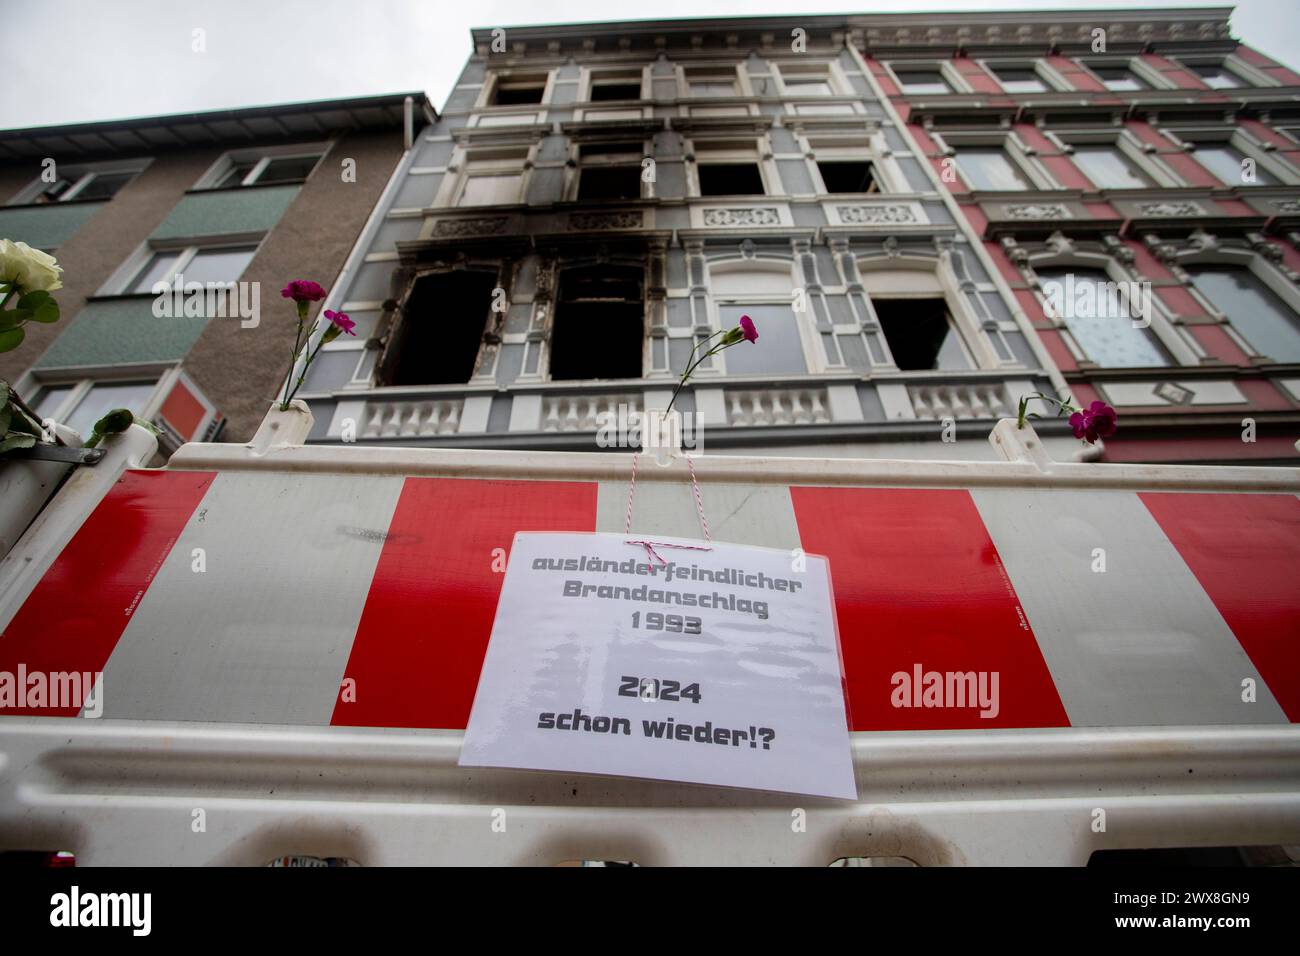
x: 605, y: 220
x: 1039, y: 211
x: 1171, y: 209
x: 866, y: 215
x: 743, y: 216
x: 470, y: 227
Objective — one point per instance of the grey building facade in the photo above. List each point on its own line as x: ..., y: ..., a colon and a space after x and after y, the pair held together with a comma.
x: 596, y: 199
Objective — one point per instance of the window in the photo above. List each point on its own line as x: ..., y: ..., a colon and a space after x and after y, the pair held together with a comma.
x: 1109, y: 168
x: 1216, y: 76
x: 848, y: 176
x: 922, y: 81
x: 610, y: 171
x: 729, y: 169
x: 442, y: 329
x: 1261, y: 316
x: 921, y: 334
x: 1119, y: 79
x: 989, y: 167
x: 101, y: 181
x: 518, y: 91
x: 1229, y: 164
x: 760, y: 289
x: 491, y: 190
x: 78, y: 405
x: 1019, y: 79
x: 606, y: 87
x: 246, y: 168
x: 807, y: 86
x: 713, y: 81
x: 731, y: 179
x: 1100, y: 315
x: 195, y: 264
x: 599, y: 325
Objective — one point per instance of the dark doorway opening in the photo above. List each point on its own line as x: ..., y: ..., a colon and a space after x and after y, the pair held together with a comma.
x: 599, y: 326
x: 442, y: 327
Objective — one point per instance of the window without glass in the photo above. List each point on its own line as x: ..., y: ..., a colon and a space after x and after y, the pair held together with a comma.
x: 599, y: 325
x: 610, y: 171
x: 921, y: 334
x: 922, y: 81
x: 1019, y: 79
x: 605, y: 90
x: 442, y: 328
x: 1109, y: 168
x: 519, y: 92
x: 1119, y: 79
x: 494, y: 189
x: 989, y: 167
x: 730, y: 179
x: 1229, y: 164
x: 1261, y: 316
x: 1100, y: 314
x: 848, y: 176
x: 1217, y: 77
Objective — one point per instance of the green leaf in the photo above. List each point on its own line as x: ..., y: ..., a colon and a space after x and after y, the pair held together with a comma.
x: 41, y: 305
x: 16, y: 440
x: 5, y: 414
x: 10, y: 339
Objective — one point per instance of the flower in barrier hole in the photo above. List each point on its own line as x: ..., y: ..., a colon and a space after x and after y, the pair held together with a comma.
x: 303, y: 291
x: 746, y: 331
x: 1091, y: 424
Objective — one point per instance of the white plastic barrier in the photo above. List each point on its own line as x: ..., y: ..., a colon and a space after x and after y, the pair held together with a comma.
x: 1143, y: 621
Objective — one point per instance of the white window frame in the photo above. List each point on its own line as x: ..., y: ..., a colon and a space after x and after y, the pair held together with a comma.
x: 713, y: 72
x: 1229, y: 63
x: 125, y: 275
x: 511, y: 76
x: 261, y: 157
x: 1126, y: 144
x: 1051, y: 80
x: 468, y: 162
x: 580, y: 163
x: 1017, y: 153
x: 1265, y: 154
x: 823, y: 71
x: 1171, y: 335
x: 944, y: 68
x: 592, y: 77
x: 814, y: 360
x: 870, y: 149
x: 974, y: 342
x: 759, y: 153
x: 85, y: 175
x: 1152, y: 77
x: 1260, y: 267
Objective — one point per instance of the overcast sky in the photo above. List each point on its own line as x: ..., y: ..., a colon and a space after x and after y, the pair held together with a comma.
x: 71, y: 61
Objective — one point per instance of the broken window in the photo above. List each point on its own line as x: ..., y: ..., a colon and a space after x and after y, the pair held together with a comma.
x: 920, y: 334
x: 441, y: 330
x: 848, y: 177
x: 731, y: 179
x: 610, y: 171
x: 599, y: 325
x: 624, y: 90
x: 519, y: 91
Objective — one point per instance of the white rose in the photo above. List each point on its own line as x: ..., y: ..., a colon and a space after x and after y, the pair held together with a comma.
x: 29, y: 269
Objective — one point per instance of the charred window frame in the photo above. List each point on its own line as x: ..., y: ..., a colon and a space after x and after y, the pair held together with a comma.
x: 610, y: 170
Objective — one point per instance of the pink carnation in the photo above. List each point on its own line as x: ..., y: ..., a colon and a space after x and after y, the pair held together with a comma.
x: 303, y: 290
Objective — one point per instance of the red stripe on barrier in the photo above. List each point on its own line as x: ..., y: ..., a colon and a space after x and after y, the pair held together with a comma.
x: 1245, y: 551
x: 918, y: 582
x: 77, y: 612
x: 425, y: 627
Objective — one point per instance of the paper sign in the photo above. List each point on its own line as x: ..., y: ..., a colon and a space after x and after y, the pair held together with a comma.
x: 722, y: 667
